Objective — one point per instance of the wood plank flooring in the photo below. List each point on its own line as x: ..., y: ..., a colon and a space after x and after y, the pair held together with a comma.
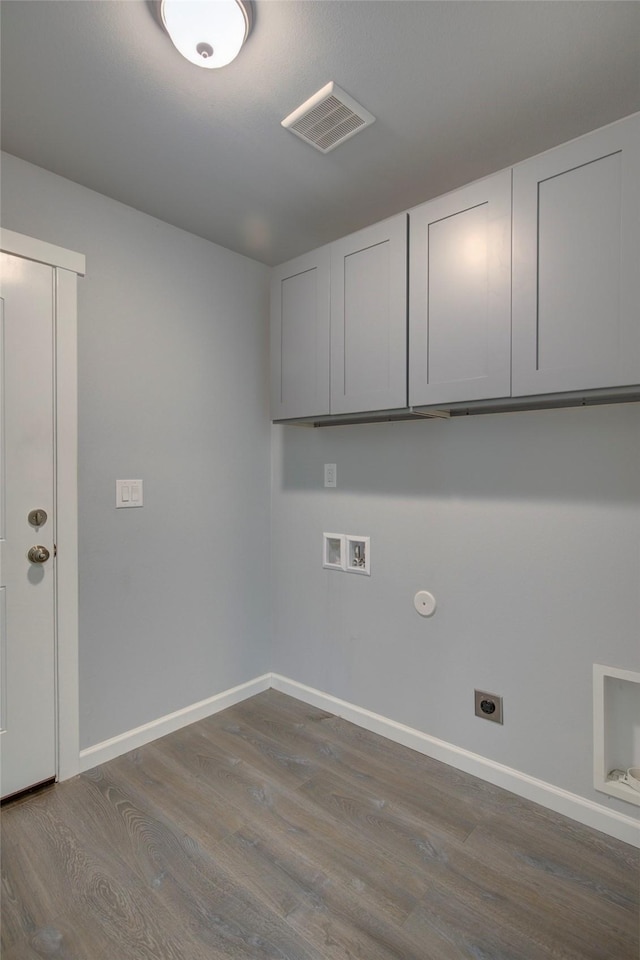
x: 276, y: 831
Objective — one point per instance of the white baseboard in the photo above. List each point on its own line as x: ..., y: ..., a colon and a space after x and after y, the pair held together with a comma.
x: 571, y: 805
x: 131, y: 739
x: 619, y: 825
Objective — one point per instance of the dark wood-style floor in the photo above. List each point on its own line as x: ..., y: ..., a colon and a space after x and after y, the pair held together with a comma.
x: 276, y: 830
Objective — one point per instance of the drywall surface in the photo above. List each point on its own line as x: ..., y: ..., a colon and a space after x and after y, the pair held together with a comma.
x: 174, y: 596
x: 524, y: 526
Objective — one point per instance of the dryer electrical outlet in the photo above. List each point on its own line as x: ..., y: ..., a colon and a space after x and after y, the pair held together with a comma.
x: 488, y: 706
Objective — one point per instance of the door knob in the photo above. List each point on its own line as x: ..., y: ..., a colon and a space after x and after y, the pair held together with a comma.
x: 38, y: 554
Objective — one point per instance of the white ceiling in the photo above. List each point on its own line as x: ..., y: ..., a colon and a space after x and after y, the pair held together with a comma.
x: 94, y: 90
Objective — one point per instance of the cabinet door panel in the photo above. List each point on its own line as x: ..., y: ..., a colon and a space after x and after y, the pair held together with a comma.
x: 459, y: 300
x: 366, y: 280
x: 576, y: 294
x: 369, y: 319
x: 300, y: 337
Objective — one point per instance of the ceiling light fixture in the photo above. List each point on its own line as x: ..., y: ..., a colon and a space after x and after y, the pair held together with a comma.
x: 209, y: 33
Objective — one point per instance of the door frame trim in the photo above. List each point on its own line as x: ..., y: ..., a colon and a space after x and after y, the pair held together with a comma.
x: 67, y: 266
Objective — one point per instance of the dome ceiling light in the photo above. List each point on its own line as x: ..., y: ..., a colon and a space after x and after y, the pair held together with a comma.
x: 209, y: 33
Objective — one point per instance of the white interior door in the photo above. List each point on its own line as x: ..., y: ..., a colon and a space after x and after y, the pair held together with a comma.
x: 27, y: 586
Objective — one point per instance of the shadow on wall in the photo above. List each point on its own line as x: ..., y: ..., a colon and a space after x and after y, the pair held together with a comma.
x: 577, y: 454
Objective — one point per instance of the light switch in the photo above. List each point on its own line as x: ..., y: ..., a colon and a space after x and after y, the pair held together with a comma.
x: 128, y: 493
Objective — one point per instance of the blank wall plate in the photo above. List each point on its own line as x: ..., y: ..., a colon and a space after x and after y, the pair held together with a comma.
x: 129, y: 493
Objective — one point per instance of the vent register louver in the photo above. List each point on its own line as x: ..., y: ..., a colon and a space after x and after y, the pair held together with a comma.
x: 328, y: 118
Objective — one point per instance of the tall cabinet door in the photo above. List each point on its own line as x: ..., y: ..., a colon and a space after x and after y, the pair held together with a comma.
x: 300, y: 337
x: 369, y: 318
x: 576, y: 275
x: 460, y: 294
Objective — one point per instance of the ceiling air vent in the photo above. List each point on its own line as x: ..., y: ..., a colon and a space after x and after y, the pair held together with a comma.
x: 328, y: 118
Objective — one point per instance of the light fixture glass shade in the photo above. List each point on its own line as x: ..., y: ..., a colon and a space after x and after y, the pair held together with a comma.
x: 209, y: 33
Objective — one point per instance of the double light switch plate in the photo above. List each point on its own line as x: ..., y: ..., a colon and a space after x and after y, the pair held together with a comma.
x: 129, y: 493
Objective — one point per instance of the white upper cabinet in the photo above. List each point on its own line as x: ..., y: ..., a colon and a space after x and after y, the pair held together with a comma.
x: 369, y: 318
x: 300, y: 337
x: 460, y: 294
x: 576, y: 264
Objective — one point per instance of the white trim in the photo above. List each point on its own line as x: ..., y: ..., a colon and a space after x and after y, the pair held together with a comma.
x: 67, y: 679
x: 31, y: 249
x: 571, y: 805
x: 131, y: 739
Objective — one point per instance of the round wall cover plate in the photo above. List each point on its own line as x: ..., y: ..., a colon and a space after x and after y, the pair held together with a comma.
x: 425, y: 603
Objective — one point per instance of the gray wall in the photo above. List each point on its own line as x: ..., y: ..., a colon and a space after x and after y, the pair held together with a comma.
x: 173, y: 389
x: 525, y: 527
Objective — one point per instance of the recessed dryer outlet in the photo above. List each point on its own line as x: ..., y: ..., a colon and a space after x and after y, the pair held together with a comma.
x: 488, y: 706
x: 358, y: 555
x: 333, y: 551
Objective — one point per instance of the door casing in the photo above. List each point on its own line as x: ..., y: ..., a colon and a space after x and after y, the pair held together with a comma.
x: 67, y: 267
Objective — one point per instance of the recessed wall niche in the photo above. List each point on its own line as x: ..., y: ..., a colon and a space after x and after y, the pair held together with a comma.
x: 616, y: 730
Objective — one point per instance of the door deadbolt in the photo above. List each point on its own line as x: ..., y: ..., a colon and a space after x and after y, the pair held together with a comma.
x: 38, y: 554
x: 37, y: 518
